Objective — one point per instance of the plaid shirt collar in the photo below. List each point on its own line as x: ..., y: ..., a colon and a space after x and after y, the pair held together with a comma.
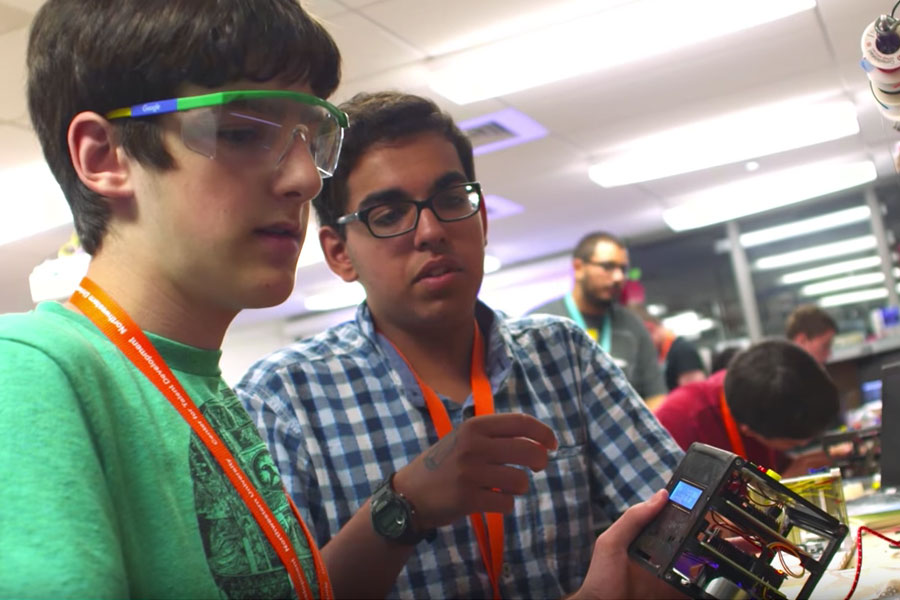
x: 498, y: 342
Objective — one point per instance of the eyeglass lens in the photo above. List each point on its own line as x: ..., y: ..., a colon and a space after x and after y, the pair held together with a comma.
x: 611, y: 266
x: 399, y: 216
x: 264, y: 130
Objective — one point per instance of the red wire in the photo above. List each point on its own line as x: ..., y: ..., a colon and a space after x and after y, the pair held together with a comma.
x: 859, y: 534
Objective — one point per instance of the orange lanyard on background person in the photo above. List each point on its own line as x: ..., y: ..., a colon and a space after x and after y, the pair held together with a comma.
x: 113, y: 321
x: 490, y: 541
x: 734, y: 436
x: 668, y: 340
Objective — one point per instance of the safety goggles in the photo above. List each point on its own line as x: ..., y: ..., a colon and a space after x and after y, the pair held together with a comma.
x: 250, y: 127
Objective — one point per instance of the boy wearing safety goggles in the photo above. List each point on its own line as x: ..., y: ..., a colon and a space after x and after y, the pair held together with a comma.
x: 188, y: 137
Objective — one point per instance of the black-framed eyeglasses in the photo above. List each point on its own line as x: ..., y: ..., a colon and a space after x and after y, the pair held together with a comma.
x: 396, y: 217
x: 609, y: 266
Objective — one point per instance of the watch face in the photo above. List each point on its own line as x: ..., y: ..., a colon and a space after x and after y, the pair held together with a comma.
x: 390, y: 519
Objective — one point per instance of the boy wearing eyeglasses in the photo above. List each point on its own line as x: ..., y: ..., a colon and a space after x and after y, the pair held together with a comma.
x: 415, y: 409
x: 188, y: 137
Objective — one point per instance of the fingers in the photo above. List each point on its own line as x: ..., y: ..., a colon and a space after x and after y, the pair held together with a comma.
x: 515, y: 451
x: 627, y: 527
x: 478, y: 467
x: 513, y: 425
x: 509, y: 480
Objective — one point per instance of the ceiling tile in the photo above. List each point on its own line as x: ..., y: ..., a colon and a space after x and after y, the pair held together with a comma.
x: 464, y: 23
x: 30, y: 6
x: 324, y: 9
x: 366, y: 47
x: 12, y: 18
x: 12, y: 75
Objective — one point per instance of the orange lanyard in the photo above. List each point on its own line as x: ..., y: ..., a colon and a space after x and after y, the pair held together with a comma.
x: 491, y: 541
x: 734, y: 436
x: 113, y: 321
x: 666, y: 346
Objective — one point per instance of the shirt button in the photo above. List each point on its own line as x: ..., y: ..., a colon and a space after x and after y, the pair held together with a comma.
x: 507, y: 571
x: 468, y: 412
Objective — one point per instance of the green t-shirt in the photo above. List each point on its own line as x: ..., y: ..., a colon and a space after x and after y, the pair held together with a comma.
x: 106, y: 491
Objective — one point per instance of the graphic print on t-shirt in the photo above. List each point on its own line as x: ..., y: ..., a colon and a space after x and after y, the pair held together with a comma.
x: 241, y: 560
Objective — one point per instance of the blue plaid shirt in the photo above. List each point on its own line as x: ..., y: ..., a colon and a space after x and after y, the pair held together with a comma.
x: 341, y: 411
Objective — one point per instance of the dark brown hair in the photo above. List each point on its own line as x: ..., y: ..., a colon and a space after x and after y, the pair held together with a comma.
x: 378, y: 118
x: 584, y: 249
x: 779, y: 391
x: 810, y: 320
x: 106, y: 54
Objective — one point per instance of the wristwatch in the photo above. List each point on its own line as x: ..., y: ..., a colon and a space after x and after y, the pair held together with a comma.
x: 392, y: 516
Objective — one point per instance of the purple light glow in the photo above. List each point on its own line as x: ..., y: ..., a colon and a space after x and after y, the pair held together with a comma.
x: 499, y: 207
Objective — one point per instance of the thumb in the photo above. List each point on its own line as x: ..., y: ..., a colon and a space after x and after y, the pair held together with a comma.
x: 627, y: 527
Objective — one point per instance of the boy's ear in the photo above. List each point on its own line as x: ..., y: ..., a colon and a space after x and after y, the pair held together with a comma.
x: 334, y: 248
x: 98, y: 159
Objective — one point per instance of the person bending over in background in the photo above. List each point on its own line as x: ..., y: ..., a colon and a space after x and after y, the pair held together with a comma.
x: 812, y: 329
x: 357, y: 411
x: 772, y: 398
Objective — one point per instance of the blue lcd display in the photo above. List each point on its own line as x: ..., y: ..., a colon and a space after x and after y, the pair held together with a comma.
x: 685, y: 495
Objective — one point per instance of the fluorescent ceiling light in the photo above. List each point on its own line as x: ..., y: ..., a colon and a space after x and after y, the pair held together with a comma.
x: 621, y: 34
x: 731, y: 138
x: 853, y: 297
x: 688, y: 324
x: 777, y: 261
x: 798, y: 228
x: 32, y: 202
x: 842, y: 283
x: 657, y: 310
x: 764, y: 192
x: 519, y: 22
x: 840, y: 268
x: 492, y: 264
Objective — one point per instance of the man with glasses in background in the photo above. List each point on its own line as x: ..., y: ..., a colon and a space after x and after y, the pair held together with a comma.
x: 422, y: 409
x: 600, y: 263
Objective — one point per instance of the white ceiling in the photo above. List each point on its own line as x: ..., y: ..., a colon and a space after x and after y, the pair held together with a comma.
x: 392, y: 43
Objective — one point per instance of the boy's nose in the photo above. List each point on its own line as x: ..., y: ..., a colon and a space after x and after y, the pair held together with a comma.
x: 296, y: 168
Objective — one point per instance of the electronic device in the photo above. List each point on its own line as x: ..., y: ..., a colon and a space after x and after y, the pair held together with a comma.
x: 881, y: 60
x: 890, y: 425
x: 856, y: 452
x: 731, y: 531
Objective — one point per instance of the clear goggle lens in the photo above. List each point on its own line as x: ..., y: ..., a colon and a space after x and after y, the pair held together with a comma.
x: 263, y: 130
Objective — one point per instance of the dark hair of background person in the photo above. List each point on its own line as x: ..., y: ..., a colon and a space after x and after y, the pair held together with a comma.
x: 384, y: 118
x: 115, y: 56
x: 721, y: 358
x: 584, y: 249
x: 779, y: 391
x: 810, y: 320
